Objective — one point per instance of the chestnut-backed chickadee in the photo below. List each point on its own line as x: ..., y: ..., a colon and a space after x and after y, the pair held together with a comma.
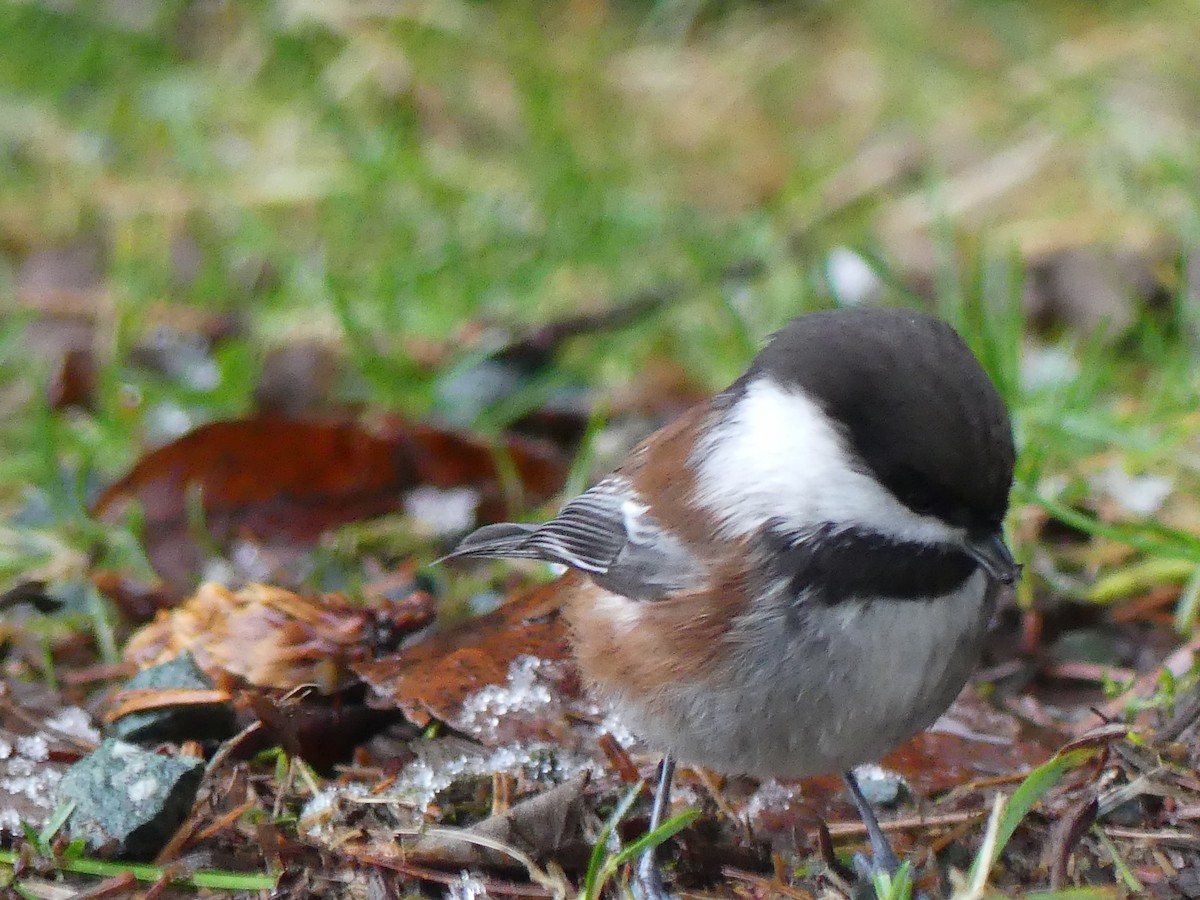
x: 796, y: 575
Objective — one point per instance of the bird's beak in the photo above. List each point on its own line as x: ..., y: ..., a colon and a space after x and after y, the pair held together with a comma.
x: 995, y: 557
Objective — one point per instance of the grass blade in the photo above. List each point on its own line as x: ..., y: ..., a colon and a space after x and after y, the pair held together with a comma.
x: 216, y: 879
x: 659, y: 835
x: 1035, y: 786
x: 988, y: 852
x: 57, y: 819
x: 1130, y: 880
x: 591, y: 881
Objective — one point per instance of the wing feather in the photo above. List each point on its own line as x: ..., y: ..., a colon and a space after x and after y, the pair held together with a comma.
x: 606, y: 532
x: 587, y: 534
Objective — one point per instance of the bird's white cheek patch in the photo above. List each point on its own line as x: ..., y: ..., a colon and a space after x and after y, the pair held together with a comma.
x: 777, y: 456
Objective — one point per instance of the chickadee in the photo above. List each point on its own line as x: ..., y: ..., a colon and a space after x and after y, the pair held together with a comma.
x: 795, y: 576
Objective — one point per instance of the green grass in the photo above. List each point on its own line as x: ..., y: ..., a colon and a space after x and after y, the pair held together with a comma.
x: 216, y: 879
x: 394, y: 177
x: 605, y: 861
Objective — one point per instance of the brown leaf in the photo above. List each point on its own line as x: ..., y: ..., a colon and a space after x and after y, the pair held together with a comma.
x: 323, y: 731
x: 435, y: 679
x: 136, y: 600
x: 144, y: 699
x: 1065, y: 835
x: 933, y: 762
x: 73, y: 380
x: 271, y: 638
x: 297, y: 380
x: 283, y: 481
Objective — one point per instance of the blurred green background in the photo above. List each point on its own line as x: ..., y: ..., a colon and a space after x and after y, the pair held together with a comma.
x: 188, y: 187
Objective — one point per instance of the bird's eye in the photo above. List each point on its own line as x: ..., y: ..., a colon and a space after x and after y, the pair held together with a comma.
x: 922, y: 506
x: 924, y: 496
x: 919, y: 500
x: 926, y: 502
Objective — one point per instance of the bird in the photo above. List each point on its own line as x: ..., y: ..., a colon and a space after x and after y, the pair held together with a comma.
x: 796, y: 575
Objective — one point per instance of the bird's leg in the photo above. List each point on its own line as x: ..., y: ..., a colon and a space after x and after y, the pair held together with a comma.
x: 648, y: 880
x: 883, y: 858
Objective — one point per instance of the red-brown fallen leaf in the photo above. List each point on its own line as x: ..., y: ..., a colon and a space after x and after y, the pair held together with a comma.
x: 284, y: 481
x: 73, y: 380
x: 136, y: 600
x: 271, y: 638
x: 435, y: 678
x: 320, y: 730
x: 933, y: 762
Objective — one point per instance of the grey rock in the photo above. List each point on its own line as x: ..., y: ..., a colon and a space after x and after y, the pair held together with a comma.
x: 129, y: 798
x: 880, y: 787
x: 209, y: 722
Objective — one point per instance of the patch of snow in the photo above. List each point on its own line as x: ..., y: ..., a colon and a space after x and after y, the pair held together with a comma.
x: 33, y: 747
x: 422, y: 780
x: 73, y: 721
x: 166, y: 421
x: 36, y: 785
x: 615, y: 727
x: 875, y: 772
x: 771, y: 795
x: 124, y: 750
x: 1141, y: 495
x: 24, y: 773
x: 851, y: 277
x: 20, y: 766
x: 250, y: 562
x: 318, y: 812
x: 442, y: 511
x: 1047, y: 366
x: 468, y: 887
x: 523, y: 691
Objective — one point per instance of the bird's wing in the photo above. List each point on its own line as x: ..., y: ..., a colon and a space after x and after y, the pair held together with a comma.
x: 606, y: 532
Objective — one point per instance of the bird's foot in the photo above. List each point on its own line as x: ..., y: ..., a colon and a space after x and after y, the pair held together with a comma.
x: 647, y: 880
x: 879, y: 864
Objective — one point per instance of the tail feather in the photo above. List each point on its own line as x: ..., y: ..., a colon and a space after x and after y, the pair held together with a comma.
x: 506, y: 540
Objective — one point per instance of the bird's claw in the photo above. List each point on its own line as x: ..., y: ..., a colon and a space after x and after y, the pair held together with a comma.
x: 647, y: 881
x: 867, y: 868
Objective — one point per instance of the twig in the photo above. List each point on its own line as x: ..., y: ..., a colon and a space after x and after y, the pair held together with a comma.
x: 508, y: 889
x: 1187, y: 839
x: 553, y: 882
x: 768, y: 885
x: 726, y: 810
x: 912, y: 823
